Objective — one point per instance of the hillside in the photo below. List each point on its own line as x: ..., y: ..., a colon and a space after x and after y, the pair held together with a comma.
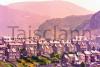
x: 67, y: 23
x: 53, y: 9
x: 9, y: 17
x: 36, y: 13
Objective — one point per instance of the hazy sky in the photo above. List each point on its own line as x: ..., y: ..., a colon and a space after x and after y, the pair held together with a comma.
x: 93, y: 5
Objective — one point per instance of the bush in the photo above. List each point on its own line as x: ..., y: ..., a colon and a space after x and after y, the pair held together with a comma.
x: 55, y: 57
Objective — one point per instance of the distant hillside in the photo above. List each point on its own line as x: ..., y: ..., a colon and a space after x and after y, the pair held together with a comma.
x: 67, y: 23
x: 9, y: 17
x: 95, y: 21
x: 53, y: 9
x: 36, y: 13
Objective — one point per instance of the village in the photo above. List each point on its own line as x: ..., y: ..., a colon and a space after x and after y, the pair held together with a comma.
x: 72, y: 52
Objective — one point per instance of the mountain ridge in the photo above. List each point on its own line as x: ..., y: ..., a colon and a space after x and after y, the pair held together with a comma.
x: 68, y: 23
x: 56, y: 9
x: 14, y: 16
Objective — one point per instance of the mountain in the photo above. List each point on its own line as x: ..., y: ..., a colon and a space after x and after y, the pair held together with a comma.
x: 9, y: 17
x: 53, y: 9
x: 94, y: 24
x: 95, y: 21
x: 35, y: 13
x: 68, y: 23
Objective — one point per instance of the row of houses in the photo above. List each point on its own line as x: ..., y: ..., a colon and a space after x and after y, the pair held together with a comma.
x: 11, y: 50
